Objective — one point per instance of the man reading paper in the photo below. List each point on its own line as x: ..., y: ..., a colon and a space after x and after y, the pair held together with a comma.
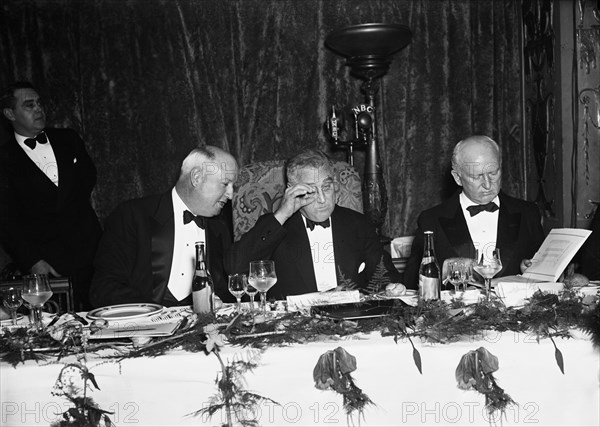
x: 479, y: 216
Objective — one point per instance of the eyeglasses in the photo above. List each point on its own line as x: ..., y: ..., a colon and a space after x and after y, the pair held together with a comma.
x: 327, y: 188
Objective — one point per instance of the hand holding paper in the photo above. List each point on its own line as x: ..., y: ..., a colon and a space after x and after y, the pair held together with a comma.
x: 556, y: 252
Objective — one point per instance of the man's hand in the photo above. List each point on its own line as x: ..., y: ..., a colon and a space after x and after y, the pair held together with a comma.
x: 42, y: 267
x: 294, y: 198
x: 525, y: 264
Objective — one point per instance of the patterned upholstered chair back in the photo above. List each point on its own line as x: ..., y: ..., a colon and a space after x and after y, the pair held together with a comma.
x: 260, y: 186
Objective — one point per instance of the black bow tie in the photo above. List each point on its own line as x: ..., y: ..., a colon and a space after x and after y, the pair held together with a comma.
x: 199, y: 220
x: 311, y: 224
x: 475, y: 209
x: 41, y: 138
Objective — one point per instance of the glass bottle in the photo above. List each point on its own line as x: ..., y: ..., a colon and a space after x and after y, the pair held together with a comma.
x: 429, y: 272
x: 202, y: 285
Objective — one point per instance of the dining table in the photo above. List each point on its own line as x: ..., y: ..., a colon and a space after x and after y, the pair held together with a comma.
x: 172, y: 389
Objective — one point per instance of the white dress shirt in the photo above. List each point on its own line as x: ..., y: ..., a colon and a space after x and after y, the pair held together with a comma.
x: 483, y: 227
x: 183, y: 265
x: 43, y: 157
x: 321, y: 249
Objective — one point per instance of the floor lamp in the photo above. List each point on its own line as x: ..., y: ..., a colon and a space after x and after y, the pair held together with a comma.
x: 368, y: 49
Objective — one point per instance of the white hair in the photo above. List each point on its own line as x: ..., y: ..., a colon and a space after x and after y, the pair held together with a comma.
x: 480, y: 139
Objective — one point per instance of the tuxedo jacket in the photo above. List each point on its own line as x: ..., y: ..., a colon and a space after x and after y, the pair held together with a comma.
x: 40, y: 220
x: 519, y: 235
x: 133, y: 262
x: 355, y: 241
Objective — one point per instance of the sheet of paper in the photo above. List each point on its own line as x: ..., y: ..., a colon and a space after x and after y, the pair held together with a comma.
x: 556, y: 252
x: 124, y: 329
x: 296, y: 302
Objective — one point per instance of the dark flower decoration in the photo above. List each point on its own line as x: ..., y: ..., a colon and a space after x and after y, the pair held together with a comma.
x: 475, y: 371
x: 333, y: 371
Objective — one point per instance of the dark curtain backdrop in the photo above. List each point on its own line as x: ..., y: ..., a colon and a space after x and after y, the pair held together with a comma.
x: 143, y: 81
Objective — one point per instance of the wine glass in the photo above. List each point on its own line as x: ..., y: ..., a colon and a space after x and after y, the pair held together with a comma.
x: 487, y: 267
x: 251, y: 291
x: 262, y: 276
x: 12, y: 301
x: 237, y: 287
x: 36, y: 291
x: 456, y: 274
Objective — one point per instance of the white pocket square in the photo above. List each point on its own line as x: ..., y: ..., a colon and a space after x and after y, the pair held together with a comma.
x: 361, y: 267
x: 75, y: 160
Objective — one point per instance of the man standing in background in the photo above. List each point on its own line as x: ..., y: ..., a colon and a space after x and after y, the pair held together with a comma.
x: 47, y: 223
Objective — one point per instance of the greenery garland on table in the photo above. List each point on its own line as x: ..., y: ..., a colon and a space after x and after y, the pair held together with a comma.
x: 545, y: 315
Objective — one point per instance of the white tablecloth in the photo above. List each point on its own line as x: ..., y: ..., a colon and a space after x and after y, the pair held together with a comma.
x: 161, y: 391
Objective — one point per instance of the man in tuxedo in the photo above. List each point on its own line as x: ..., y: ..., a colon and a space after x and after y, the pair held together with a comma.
x: 480, y: 216
x: 147, y: 252
x: 47, y: 223
x: 316, y: 245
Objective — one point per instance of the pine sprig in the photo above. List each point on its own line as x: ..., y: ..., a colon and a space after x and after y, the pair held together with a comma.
x: 232, y: 398
x: 379, y: 280
x: 343, y: 282
x: 590, y: 324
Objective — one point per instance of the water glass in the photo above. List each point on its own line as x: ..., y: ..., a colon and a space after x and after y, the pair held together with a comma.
x: 456, y: 274
x: 487, y: 266
x: 262, y: 276
x: 12, y: 300
x: 251, y: 291
x: 237, y: 287
x: 36, y: 291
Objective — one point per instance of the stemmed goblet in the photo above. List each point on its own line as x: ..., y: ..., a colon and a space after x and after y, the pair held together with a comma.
x: 237, y: 287
x: 262, y: 276
x: 456, y: 274
x: 12, y: 301
x: 251, y: 291
x: 487, y: 267
x: 36, y: 291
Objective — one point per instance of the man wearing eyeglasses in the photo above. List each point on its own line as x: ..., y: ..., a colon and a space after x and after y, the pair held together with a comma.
x: 317, y: 245
x: 479, y: 216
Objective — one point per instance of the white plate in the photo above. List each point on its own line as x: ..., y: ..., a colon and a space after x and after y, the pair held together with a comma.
x: 8, y: 321
x: 125, y: 311
x: 589, y: 289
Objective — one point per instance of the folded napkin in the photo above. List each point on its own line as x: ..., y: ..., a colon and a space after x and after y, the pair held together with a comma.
x: 297, y: 302
x: 468, y: 297
x: 516, y: 293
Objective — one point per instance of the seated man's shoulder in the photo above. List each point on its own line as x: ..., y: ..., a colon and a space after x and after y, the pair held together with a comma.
x: 350, y: 214
x: 217, y: 223
x: 439, y: 209
x: 147, y: 204
x: 518, y: 204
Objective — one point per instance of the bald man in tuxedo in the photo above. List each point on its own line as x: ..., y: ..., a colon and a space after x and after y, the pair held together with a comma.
x: 479, y: 215
x: 147, y: 252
